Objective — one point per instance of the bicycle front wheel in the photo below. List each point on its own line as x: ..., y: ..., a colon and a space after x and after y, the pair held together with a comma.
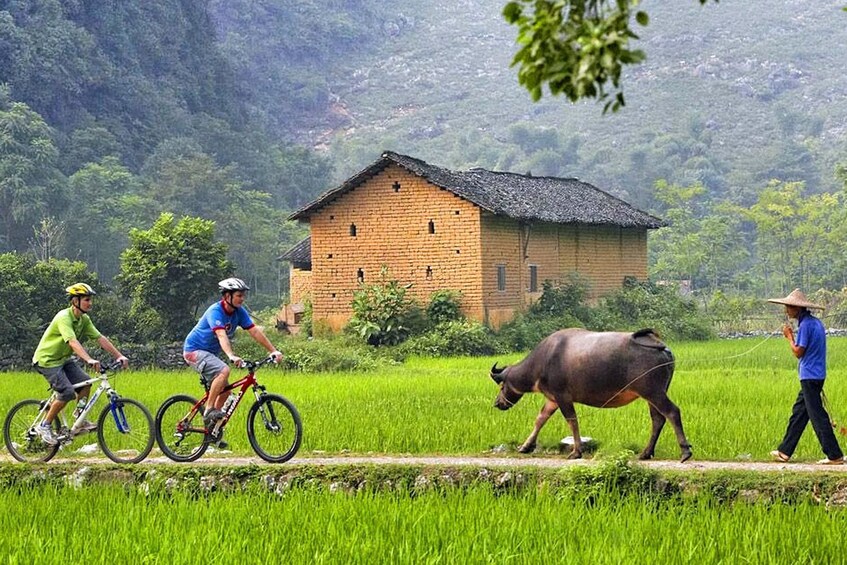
x: 274, y: 428
x: 125, y: 430
x: 180, y: 431
x: 19, y: 433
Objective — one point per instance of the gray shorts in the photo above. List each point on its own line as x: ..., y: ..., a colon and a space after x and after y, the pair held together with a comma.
x: 207, y: 364
x: 63, y: 378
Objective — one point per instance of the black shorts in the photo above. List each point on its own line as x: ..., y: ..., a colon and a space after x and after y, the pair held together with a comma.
x: 63, y: 378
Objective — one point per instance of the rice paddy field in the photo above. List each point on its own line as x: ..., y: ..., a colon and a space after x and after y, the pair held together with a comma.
x: 735, y: 397
x: 475, y: 525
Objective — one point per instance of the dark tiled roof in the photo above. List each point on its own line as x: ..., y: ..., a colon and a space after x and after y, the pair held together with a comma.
x: 300, y: 253
x: 522, y: 197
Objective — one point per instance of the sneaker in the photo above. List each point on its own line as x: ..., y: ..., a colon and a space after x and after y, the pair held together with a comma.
x: 780, y: 456
x: 46, y: 434
x: 839, y: 461
x: 221, y: 445
x: 212, y: 416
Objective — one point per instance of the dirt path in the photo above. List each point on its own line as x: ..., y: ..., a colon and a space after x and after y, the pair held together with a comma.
x: 545, y: 462
x: 459, y: 461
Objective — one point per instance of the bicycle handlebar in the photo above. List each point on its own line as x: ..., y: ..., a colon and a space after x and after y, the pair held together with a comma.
x: 113, y: 366
x: 253, y: 365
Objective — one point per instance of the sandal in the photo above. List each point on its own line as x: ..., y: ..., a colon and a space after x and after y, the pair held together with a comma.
x: 780, y: 456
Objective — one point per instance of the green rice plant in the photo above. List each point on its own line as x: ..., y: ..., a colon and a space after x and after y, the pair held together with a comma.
x: 735, y: 397
x: 478, y: 524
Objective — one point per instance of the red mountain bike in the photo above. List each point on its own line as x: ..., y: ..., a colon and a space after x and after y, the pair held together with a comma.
x: 273, y: 423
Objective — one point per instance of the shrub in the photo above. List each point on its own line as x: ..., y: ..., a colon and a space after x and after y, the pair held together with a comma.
x: 730, y: 313
x: 524, y: 332
x: 314, y: 355
x: 836, y: 306
x: 561, y: 305
x: 647, y: 305
x: 382, y: 313
x: 453, y: 338
x: 444, y: 307
x: 306, y: 327
x: 560, y: 298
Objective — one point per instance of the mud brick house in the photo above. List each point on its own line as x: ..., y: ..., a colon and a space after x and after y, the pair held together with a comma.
x: 493, y: 236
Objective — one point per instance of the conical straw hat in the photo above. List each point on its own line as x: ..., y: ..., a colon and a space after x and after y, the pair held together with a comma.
x: 795, y: 298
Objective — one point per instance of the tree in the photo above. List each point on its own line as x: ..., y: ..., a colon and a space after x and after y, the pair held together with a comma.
x: 30, y: 182
x: 169, y: 270
x: 704, y: 242
x: 31, y: 292
x: 799, y: 237
x: 576, y: 47
x: 48, y: 238
x: 105, y: 201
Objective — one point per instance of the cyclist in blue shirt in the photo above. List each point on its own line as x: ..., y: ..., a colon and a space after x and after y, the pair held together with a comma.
x: 212, y: 334
x: 809, y: 346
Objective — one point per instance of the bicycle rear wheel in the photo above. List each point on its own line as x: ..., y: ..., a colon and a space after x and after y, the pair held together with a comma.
x: 125, y: 430
x: 274, y: 428
x: 180, y: 431
x: 19, y: 433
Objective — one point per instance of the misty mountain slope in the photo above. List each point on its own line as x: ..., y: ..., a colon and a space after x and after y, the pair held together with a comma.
x: 731, y: 95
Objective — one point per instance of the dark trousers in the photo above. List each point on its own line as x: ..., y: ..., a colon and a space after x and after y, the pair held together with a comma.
x: 809, y: 407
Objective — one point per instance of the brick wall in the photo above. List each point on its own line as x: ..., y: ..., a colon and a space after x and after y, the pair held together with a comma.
x: 602, y: 254
x: 423, y: 234
x: 300, y: 285
x: 607, y: 254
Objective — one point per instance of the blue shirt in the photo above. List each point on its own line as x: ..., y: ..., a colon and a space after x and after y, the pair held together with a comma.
x: 203, y: 338
x: 811, y: 336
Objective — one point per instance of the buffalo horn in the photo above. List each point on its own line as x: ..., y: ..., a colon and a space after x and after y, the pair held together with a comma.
x: 495, y: 374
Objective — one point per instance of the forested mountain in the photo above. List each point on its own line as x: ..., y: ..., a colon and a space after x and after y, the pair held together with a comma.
x: 240, y: 111
x: 112, y: 113
x: 733, y: 128
x: 731, y: 95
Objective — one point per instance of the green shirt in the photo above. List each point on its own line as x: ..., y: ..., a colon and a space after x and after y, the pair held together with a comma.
x: 53, y: 349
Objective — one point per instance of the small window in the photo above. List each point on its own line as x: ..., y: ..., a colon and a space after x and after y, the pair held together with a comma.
x: 396, y: 186
x: 431, y: 226
x: 352, y: 230
x: 329, y: 256
x: 428, y: 273
x: 332, y: 216
x: 533, y: 278
x: 501, y: 277
x: 360, y: 276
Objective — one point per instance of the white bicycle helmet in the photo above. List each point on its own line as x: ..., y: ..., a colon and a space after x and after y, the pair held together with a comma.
x: 232, y: 284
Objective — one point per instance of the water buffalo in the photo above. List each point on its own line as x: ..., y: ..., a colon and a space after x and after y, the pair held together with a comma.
x: 602, y: 369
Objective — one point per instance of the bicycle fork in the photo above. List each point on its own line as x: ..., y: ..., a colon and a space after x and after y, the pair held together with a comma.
x: 117, y: 409
x: 266, y: 410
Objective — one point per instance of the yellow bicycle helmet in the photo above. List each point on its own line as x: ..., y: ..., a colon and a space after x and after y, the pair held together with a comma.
x: 79, y: 289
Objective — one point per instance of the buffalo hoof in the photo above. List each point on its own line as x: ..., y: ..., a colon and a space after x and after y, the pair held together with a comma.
x: 526, y: 448
x: 575, y: 454
x: 686, y: 455
x: 645, y: 456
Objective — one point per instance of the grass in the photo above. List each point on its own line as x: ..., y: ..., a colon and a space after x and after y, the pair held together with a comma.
x: 474, y: 525
x: 735, y: 397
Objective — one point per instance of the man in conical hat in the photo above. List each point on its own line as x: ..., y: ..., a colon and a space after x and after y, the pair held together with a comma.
x: 809, y: 346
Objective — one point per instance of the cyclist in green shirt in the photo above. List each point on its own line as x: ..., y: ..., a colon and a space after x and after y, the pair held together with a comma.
x: 60, y: 341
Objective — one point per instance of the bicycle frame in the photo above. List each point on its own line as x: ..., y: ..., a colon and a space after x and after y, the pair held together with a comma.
x: 67, y: 433
x: 247, y: 381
